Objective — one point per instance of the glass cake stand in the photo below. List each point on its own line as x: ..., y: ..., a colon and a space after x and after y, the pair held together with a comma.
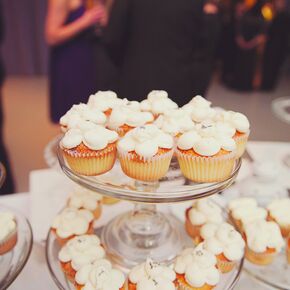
x: 12, y: 263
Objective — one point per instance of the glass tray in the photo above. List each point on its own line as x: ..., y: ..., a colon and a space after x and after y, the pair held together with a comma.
x: 12, y: 263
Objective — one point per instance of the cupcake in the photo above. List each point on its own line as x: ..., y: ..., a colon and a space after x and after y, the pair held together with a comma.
x: 72, y: 222
x: 245, y: 210
x: 82, y: 117
x: 145, y: 153
x: 105, y: 101
x: 83, y: 198
x: 78, y: 252
x: 202, y: 211
x: 205, y: 159
x: 151, y: 275
x: 8, y: 232
x: 263, y: 242
x: 225, y: 243
x: 90, y: 152
x: 158, y: 103
x: 124, y: 118
x: 196, y: 269
x: 242, y: 126
x: 99, y: 276
x: 279, y: 211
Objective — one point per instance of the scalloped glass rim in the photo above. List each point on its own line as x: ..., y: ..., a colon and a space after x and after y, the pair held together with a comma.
x: 169, y: 194
x: 23, y: 253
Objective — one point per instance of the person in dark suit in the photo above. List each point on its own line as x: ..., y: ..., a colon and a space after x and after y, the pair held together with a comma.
x: 155, y: 44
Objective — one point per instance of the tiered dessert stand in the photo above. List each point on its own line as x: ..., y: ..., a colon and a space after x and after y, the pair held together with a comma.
x: 12, y: 263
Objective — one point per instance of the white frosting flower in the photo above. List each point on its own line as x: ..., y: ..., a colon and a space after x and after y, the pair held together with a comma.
x: 7, y: 225
x: 100, y: 276
x: 223, y: 239
x: 152, y: 276
x: 262, y: 235
x: 82, y: 250
x: 95, y: 139
x: 198, y: 265
x: 158, y: 102
x: 84, y: 198
x: 237, y: 120
x: 105, y: 100
x: 280, y: 210
x: 72, y: 222
x: 145, y: 141
x: 242, y: 202
x: 205, y: 211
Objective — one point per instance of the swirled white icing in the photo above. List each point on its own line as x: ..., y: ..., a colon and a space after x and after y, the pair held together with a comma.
x: 7, y: 225
x: 81, y: 250
x: 95, y: 139
x: 105, y: 100
x: 237, y: 120
x: 248, y: 214
x: 100, y: 276
x: 198, y: 266
x: 279, y: 209
x: 262, y: 235
x: 223, y: 239
x: 205, y: 211
x: 84, y: 198
x: 242, y: 202
x: 174, y: 122
x: 152, y: 276
x: 72, y: 222
x: 127, y: 115
x: 145, y: 141
x: 157, y: 102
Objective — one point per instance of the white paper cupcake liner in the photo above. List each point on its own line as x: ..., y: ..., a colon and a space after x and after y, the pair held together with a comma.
x: 259, y: 258
x: 241, y: 142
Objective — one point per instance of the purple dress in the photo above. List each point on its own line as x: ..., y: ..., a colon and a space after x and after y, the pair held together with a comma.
x: 72, y: 70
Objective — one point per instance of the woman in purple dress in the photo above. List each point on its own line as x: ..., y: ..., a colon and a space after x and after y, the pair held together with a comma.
x: 69, y: 30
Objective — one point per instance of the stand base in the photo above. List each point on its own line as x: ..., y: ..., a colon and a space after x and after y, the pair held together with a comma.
x: 132, y: 237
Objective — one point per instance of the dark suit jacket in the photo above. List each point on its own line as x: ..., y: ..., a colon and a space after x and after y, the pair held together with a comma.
x: 155, y: 44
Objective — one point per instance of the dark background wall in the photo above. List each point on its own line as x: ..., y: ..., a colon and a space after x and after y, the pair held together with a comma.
x: 24, y: 50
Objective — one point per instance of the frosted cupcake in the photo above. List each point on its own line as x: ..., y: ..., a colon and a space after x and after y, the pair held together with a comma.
x: 78, y: 252
x: 90, y: 152
x: 205, y: 159
x: 279, y: 211
x: 99, y: 276
x: 145, y: 153
x: 83, y: 198
x: 225, y: 243
x: 123, y: 119
x: 202, y: 211
x: 264, y: 241
x: 82, y: 117
x: 72, y: 222
x: 153, y: 276
x: 242, y: 126
x: 8, y: 232
x: 196, y: 269
x: 105, y: 101
x: 244, y: 211
x: 158, y: 103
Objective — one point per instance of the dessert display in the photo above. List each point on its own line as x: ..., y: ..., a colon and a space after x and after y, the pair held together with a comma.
x: 91, y: 152
x: 8, y: 232
x: 145, y: 153
x: 72, y: 222
x: 203, y: 211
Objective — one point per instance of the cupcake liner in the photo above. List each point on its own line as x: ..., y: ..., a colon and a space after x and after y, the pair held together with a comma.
x: 206, y: 169
x: 91, y: 163
x: 259, y: 258
x: 68, y: 271
x: 9, y: 242
x: 182, y: 285
x: 241, y: 142
x: 145, y: 169
x: 225, y: 266
x: 285, y: 230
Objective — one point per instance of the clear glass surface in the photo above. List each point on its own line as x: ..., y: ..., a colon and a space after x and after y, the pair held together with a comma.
x: 12, y: 263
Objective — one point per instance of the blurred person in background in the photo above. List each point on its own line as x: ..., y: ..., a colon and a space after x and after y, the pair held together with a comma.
x: 250, y: 39
x: 69, y: 28
x: 8, y: 185
x: 277, y: 46
x: 157, y: 45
